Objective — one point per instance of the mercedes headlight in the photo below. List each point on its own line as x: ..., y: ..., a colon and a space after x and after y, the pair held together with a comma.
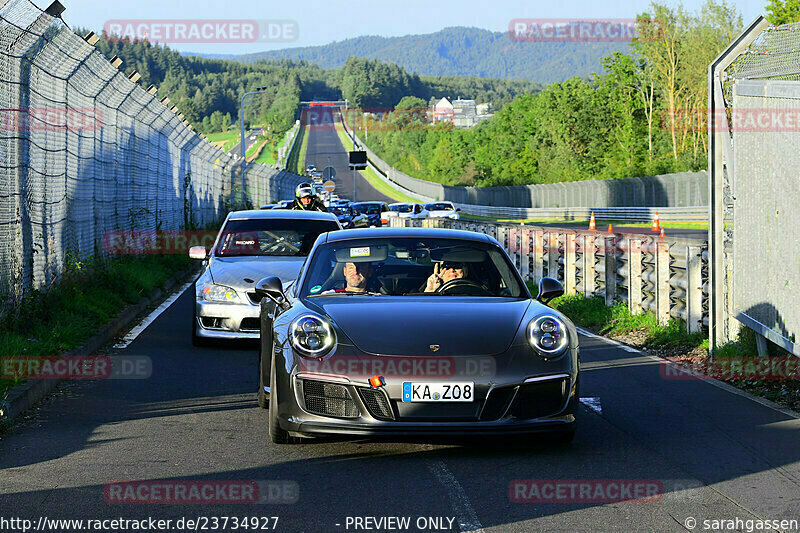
x: 312, y: 336
x: 548, y: 336
x: 218, y: 293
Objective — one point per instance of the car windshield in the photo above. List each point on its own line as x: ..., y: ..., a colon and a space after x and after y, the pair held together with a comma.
x: 369, y: 209
x: 439, y: 207
x: 271, y: 237
x: 404, y: 266
x: 402, y: 208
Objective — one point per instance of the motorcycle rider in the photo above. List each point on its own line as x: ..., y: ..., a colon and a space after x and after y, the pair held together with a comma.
x: 306, y: 199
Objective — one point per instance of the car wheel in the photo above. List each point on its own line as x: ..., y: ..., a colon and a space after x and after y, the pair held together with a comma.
x: 277, y: 434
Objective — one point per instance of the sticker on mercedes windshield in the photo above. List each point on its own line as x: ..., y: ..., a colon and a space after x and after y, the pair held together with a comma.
x: 359, y: 252
x: 316, y: 288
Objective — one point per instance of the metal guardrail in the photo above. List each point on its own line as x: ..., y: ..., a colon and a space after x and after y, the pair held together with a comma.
x: 626, y: 214
x: 668, y: 276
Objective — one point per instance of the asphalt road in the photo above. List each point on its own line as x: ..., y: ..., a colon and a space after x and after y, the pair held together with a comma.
x: 712, y: 453
x: 325, y: 148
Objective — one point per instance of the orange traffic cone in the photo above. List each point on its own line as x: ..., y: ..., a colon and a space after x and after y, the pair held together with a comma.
x: 662, y: 233
x: 591, y: 222
x: 656, y: 223
x: 610, y: 228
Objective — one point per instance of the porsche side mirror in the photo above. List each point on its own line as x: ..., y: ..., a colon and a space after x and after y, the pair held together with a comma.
x: 271, y: 288
x: 549, y: 288
x: 198, y: 252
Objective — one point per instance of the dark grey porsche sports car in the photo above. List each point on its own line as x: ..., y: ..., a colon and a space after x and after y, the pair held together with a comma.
x: 411, y: 331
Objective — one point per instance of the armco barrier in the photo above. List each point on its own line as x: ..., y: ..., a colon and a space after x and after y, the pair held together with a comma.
x: 668, y: 276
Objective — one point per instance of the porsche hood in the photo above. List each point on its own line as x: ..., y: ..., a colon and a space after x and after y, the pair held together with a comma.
x: 428, y: 324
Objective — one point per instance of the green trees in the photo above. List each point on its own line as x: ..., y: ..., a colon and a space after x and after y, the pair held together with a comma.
x: 783, y: 12
x: 644, y: 114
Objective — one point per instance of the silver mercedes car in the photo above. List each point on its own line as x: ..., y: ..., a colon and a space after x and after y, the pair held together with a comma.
x: 250, y: 246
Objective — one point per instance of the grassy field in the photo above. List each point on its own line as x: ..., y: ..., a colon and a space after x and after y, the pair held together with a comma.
x: 265, y: 156
x: 373, y: 179
x: 230, y: 138
x: 88, y: 296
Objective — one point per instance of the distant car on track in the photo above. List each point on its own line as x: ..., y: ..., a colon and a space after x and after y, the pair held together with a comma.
x: 442, y: 210
x: 349, y: 217
x: 250, y: 245
x: 363, y: 343
x: 408, y: 210
x: 375, y: 211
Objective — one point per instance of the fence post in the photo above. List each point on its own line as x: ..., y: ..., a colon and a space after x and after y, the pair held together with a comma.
x: 634, y: 275
x: 589, y: 261
x: 525, y: 254
x: 569, y: 264
x: 694, y: 289
x: 662, y: 282
x: 610, y: 251
x: 552, y: 255
x: 538, y: 255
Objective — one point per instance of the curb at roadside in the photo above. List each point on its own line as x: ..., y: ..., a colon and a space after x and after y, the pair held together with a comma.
x: 23, y: 396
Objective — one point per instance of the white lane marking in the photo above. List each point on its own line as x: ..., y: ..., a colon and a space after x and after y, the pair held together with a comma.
x: 132, y: 334
x: 465, y: 514
x: 593, y: 404
x: 711, y: 381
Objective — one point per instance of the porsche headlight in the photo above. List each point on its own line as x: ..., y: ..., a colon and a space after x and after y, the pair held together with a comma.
x: 218, y: 293
x: 312, y: 336
x: 548, y: 336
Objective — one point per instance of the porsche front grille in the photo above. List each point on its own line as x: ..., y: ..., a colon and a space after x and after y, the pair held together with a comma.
x: 377, y: 404
x: 328, y: 399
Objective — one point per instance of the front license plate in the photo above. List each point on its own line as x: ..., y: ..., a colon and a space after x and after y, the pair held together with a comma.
x: 414, y: 391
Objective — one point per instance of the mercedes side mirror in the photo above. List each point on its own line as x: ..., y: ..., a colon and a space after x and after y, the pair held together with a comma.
x: 549, y: 288
x: 198, y: 252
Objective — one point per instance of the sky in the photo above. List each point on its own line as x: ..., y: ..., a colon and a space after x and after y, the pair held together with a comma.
x: 314, y: 22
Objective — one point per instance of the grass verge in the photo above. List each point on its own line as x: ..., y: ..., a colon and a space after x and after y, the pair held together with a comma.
x: 373, y: 178
x: 89, y: 295
x: 296, y: 162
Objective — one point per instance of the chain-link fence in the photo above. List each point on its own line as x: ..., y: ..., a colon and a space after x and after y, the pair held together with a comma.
x: 755, y: 133
x: 84, y: 151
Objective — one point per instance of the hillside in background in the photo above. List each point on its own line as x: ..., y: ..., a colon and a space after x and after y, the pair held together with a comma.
x: 459, y: 51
